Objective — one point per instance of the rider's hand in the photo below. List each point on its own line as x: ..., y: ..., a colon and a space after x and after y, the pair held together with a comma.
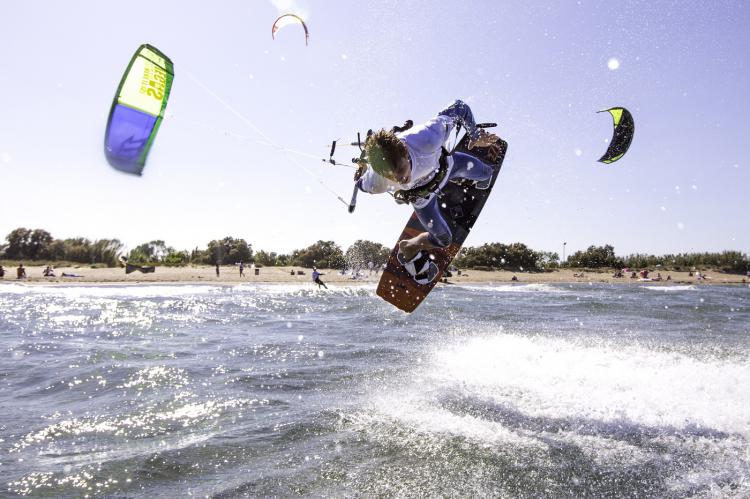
x: 361, y: 169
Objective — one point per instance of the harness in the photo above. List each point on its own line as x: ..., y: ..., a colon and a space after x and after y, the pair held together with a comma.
x: 426, y: 190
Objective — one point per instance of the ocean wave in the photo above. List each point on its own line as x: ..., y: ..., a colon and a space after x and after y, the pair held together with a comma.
x: 553, y: 378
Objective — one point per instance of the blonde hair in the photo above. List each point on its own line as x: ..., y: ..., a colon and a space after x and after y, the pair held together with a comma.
x: 383, y: 151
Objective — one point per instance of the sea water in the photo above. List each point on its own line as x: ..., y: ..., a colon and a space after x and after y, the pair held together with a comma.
x: 285, y: 390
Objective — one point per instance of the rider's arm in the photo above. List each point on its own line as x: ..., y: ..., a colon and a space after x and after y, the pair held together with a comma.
x: 372, y: 183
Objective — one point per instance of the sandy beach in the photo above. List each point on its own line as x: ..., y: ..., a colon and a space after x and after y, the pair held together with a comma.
x: 230, y: 275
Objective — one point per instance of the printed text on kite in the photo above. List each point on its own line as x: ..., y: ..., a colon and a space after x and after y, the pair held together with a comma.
x: 137, y: 109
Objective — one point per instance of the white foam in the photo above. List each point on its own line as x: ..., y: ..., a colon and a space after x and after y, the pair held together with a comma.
x: 69, y: 318
x: 301, y: 288
x: 542, y: 394
x: 559, y: 379
x: 112, y: 291
x: 514, y: 288
x: 688, y: 287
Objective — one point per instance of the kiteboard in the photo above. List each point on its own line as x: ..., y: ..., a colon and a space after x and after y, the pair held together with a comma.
x: 406, y: 284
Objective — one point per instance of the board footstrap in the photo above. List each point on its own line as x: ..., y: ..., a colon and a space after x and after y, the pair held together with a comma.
x: 421, y: 267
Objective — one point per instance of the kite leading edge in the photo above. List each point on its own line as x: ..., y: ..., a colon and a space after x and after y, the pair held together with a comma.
x: 286, y: 20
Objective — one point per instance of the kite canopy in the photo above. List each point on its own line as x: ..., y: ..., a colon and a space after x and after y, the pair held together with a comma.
x: 286, y: 20
x: 138, y: 109
x: 623, y: 134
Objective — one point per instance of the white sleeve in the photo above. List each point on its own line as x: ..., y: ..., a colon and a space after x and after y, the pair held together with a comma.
x: 430, y: 136
x: 373, y: 183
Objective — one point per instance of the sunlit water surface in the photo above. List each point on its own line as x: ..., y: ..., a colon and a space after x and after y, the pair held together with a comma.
x: 279, y: 390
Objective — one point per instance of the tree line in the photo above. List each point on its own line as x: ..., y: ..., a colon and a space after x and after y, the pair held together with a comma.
x: 604, y: 256
x: 519, y: 257
x: 39, y: 245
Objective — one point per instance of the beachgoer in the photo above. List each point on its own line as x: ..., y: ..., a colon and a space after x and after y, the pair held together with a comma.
x: 415, y: 164
x: 242, y: 269
x: 316, y: 278
x: 21, y: 271
x: 217, y: 270
x: 48, y: 272
x: 2, y: 272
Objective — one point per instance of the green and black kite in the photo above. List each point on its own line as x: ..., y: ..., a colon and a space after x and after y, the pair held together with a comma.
x: 623, y: 136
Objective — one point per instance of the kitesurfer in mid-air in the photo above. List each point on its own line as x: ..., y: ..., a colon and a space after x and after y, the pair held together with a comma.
x: 414, y: 165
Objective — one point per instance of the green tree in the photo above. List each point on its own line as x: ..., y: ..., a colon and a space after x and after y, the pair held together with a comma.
x: 282, y: 260
x: 265, y: 258
x: 595, y: 257
x: 362, y: 252
x: 106, y: 251
x: 323, y: 254
x: 37, y: 243
x: 547, y: 260
x: 228, y: 251
x: 18, y: 244
x: 176, y: 258
x: 500, y: 256
x: 54, y: 251
x: 150, y: 252
x: 78, y: 249
x: 521, y: 257
x: 198, y: 255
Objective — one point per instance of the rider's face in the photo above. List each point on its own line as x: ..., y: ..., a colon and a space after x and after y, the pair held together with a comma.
x: 402, y: 171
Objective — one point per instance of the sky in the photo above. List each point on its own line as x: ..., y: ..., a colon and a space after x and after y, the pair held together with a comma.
x: 222, y: 163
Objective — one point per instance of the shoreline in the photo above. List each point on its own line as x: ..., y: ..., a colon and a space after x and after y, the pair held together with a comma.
x: 229, y: 275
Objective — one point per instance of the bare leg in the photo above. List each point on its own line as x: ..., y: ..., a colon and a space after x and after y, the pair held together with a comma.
x: 410, y: 247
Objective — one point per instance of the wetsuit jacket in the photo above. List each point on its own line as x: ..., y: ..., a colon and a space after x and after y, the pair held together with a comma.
x: 424, y: 143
